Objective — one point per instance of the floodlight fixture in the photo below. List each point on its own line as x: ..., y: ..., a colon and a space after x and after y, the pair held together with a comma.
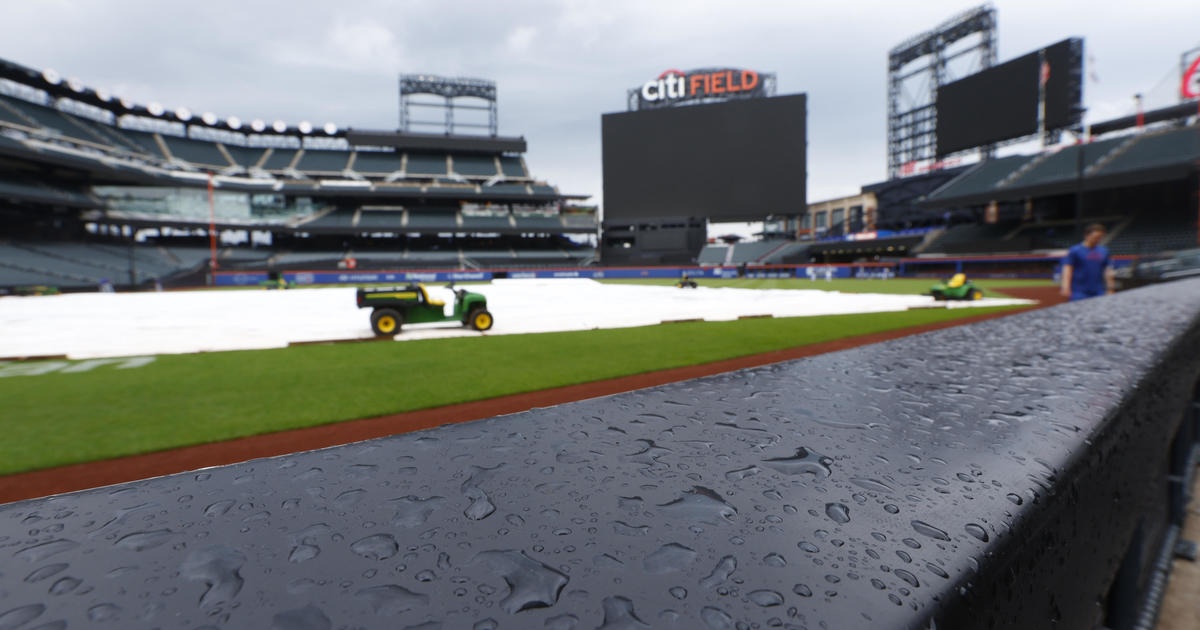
x: 155, y: 108
x: 279, y: 126
x: 258, y: 125
x: 75, y: 84
x: 234, y: 122
x: 209, y: 118
x: 305, y: 127
x: 126, y: 103
x: 330, y: 128
x: 183, y: 113
x: 51, y: 77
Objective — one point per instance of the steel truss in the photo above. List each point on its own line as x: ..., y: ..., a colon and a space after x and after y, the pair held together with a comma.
x: 449, y: 90
x: 912, y: 118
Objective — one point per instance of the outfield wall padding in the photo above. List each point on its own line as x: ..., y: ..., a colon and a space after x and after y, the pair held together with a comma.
x: 1024, y: 472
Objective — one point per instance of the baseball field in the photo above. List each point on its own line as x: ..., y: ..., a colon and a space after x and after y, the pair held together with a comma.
x: 64, y: 411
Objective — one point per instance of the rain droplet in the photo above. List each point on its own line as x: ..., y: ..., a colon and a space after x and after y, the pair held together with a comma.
x: 669, y: 557
x: 871, y: 484
x: 64, y: 585
x: 392, y: 599
x: 929, y: 530
x: 725, y: 567
x: 809, y: 547
x: 907, y: 577
x: 141, y: 541
x: 217, y: 567
x: 18, y: 617
x: 376, y: 547
x: 802, y: 590
x: 804, y: 462
x: 765, y: 598
x: 701, y: 505
x: 619, y: 615
x: 103, y: 612
x: 936, y: 570
x: 774, y: 560
x: 486, y: 624
x: 41, y: 551
x: 42, y: 573
x: 891, y: 509
x: 838, y: 512
x: 531, y: 584
x: 413, y: 511
x: 1015, y: 498
x: 716, y: 619
x: 742, y: 473
x: 977, y: 531
x: 625, y: 529
x: 678, y: 592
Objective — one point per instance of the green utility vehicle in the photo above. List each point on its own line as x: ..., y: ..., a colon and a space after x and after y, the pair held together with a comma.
x: 956, y: 288
x: 392, y: 307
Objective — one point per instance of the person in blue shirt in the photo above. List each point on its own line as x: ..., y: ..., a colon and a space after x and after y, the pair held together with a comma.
x: 1087, y: 270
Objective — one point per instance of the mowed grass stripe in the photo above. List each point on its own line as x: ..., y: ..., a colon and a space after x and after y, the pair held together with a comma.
x: 179, y: 400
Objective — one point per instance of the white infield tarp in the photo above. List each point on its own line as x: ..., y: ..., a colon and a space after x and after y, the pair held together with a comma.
x: 90, y: 325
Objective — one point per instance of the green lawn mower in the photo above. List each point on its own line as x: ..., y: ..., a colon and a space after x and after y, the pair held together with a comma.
x: 392, y: 307
x: 956, y: 288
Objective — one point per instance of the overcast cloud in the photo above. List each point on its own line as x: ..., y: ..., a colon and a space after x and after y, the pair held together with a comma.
x: 561, y: 64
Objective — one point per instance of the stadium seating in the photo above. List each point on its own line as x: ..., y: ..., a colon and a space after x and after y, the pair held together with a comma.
x: 538, y: 222
x: 145, y: 142
x: 381, y: 220
x: 378, y: 162
x: 982, y: 178
x: 513, y: 167
x: 474, y: 165
x: 279, y: 160
x: 323, y: 161
x: 196, y: 152
x: 1156, y: 149
x: 246, y: 157
x: 432, y: 220
x: 750, y: 252
x: 1062, y: 165
x: 792, y: 253
x: 482, y: 223
x: 426, y: 165
x: 1150, y: 235
x: 970, y: 238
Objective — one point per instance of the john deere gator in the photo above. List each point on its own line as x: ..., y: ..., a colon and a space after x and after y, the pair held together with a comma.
x: 392, y: 307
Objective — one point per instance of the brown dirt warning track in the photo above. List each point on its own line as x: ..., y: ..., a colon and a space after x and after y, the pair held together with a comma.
x: 74, y: 477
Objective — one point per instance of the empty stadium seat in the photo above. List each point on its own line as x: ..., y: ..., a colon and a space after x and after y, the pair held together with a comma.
x: 420, y: 164
x: 378, y: 162
x: 474, y: 165
x: 512, y: 167
x: 246, y: 157
x: 196, y: 151
x: 323, y: 161
x: 279, y: 159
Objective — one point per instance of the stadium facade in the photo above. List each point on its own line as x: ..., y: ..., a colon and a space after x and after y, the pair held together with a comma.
x: 94, y: 188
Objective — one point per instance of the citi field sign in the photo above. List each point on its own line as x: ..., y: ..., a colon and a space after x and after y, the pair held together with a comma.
x: 676, y: 87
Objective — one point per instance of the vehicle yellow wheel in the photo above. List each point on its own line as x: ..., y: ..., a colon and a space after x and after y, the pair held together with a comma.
x: 481, y: 320
x: 976, y: 294
x: 386, y: 321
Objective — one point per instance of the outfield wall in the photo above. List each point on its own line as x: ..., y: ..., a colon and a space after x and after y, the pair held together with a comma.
x: 865, y: 270
x: 1033, y: 266
x: 1024, y: 472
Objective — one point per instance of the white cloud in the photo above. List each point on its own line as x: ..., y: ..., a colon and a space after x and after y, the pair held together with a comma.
x: 520, y: 38
x: 357, y: 46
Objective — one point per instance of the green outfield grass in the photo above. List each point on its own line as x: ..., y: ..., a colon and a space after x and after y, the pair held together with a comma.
x: 915, y: 286
x: 56, y: 419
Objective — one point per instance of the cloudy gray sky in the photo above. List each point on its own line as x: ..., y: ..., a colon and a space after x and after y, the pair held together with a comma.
x: 561, y: 64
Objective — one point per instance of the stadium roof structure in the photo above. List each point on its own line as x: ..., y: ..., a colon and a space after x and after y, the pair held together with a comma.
x: 1166, y: 153
x: 55, y: 123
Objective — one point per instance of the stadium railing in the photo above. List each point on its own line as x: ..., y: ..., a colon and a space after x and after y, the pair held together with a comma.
x: 1024, y: 472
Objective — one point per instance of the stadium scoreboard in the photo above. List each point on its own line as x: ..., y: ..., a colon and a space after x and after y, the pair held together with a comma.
x: 1003, y: 102
x: 729, y: 161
